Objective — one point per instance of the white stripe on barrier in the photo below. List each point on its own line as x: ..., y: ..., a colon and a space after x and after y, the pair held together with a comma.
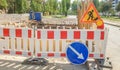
x: 104, y: 42
x: 31, y: 45
x: 57, y: 34
x: 24, y: 33
x: 97, y: 35
x: 103, y: 46
x: 6, y: 43
x: 70, y: 34
x: 83, y: 35
x: 44, y: 45
x: 12, y: 33
x: 37, y: 46
x: 57, y: 45
x: 12, y: 44
x: 90, y: 46
x: 25, y: 44
x: 1, y: 43
x: 43, y: 34
x: 50, y: 45
x: 96, y: 46
x: 18, y: 43
x: 1, y: 31
x: 64, y: 45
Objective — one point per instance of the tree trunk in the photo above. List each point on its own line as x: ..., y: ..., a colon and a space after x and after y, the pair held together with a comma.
x: 66, y: 13
x: 119, y: 15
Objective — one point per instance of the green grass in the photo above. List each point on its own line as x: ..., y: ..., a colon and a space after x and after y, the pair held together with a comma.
x: 47, y: 16
x: 112, y: 18
x: 55, y: 16
x: 58, y: 16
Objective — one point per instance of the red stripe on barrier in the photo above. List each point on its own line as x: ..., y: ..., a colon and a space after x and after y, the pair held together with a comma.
x: 39, y: 54
x: 38, y: 34
x: 50, y: 34
x: 63, y: 55
x: 6, y: 52
x: 91, y: 55
x: 18, y: 53
x: 63, y: 34
x: 102, y: 35
x: 50, y: 55
x: 76, y: 34
x: 90, y: 34
x: 29, y: 54
x: 5, y: 32
x: 101, y: 55
x: 18, y: 32
x: 29, y: 34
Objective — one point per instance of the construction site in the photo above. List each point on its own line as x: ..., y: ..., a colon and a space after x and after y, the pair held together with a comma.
x: 32, y: 41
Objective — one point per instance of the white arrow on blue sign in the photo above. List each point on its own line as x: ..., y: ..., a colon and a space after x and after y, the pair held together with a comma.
x: 77, y: 53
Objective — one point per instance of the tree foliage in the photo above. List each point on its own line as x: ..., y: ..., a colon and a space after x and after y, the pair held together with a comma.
x: 45, y: 6
x: 74, y: 6
x: 105, y: 7
x: 51, y: 7
x: 21, y: 6
x: 3, y: 4
x: 11, y: 6
x: 96, y: 3
x: 65, y: 6
x: 37, y: 5
x: 118, y: 7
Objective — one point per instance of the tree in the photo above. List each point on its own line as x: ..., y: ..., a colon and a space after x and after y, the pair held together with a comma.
x: 96, y: 3
x: 45, y: 6
x: 60, y: 7
x: 74, y: 6
x: 52, y: 6
x: 3, y: 5
x: 32, y: 5
x: 65, y: 6
x: 112, y: 12
x: 55, y: 6
x: 11, y: 6
x: 105, y: 8
x: 40, y: 6
x: 118, y: 9
x: 21, y: 6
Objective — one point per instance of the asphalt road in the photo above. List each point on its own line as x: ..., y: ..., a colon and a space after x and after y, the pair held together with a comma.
x: 16, y: 65
x: 113, y: 46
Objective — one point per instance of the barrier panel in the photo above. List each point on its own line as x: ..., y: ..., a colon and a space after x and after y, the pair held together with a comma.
x: 16, y: 41
x: 51, y: 42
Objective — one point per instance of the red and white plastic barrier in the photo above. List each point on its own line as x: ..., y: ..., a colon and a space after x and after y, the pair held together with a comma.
x: 51, y: 42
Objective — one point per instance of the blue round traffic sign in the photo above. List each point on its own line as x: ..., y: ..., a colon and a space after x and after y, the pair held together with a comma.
x: 77, y: 53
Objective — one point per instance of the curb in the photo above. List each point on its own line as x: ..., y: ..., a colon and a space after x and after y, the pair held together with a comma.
x: 112, y: 24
